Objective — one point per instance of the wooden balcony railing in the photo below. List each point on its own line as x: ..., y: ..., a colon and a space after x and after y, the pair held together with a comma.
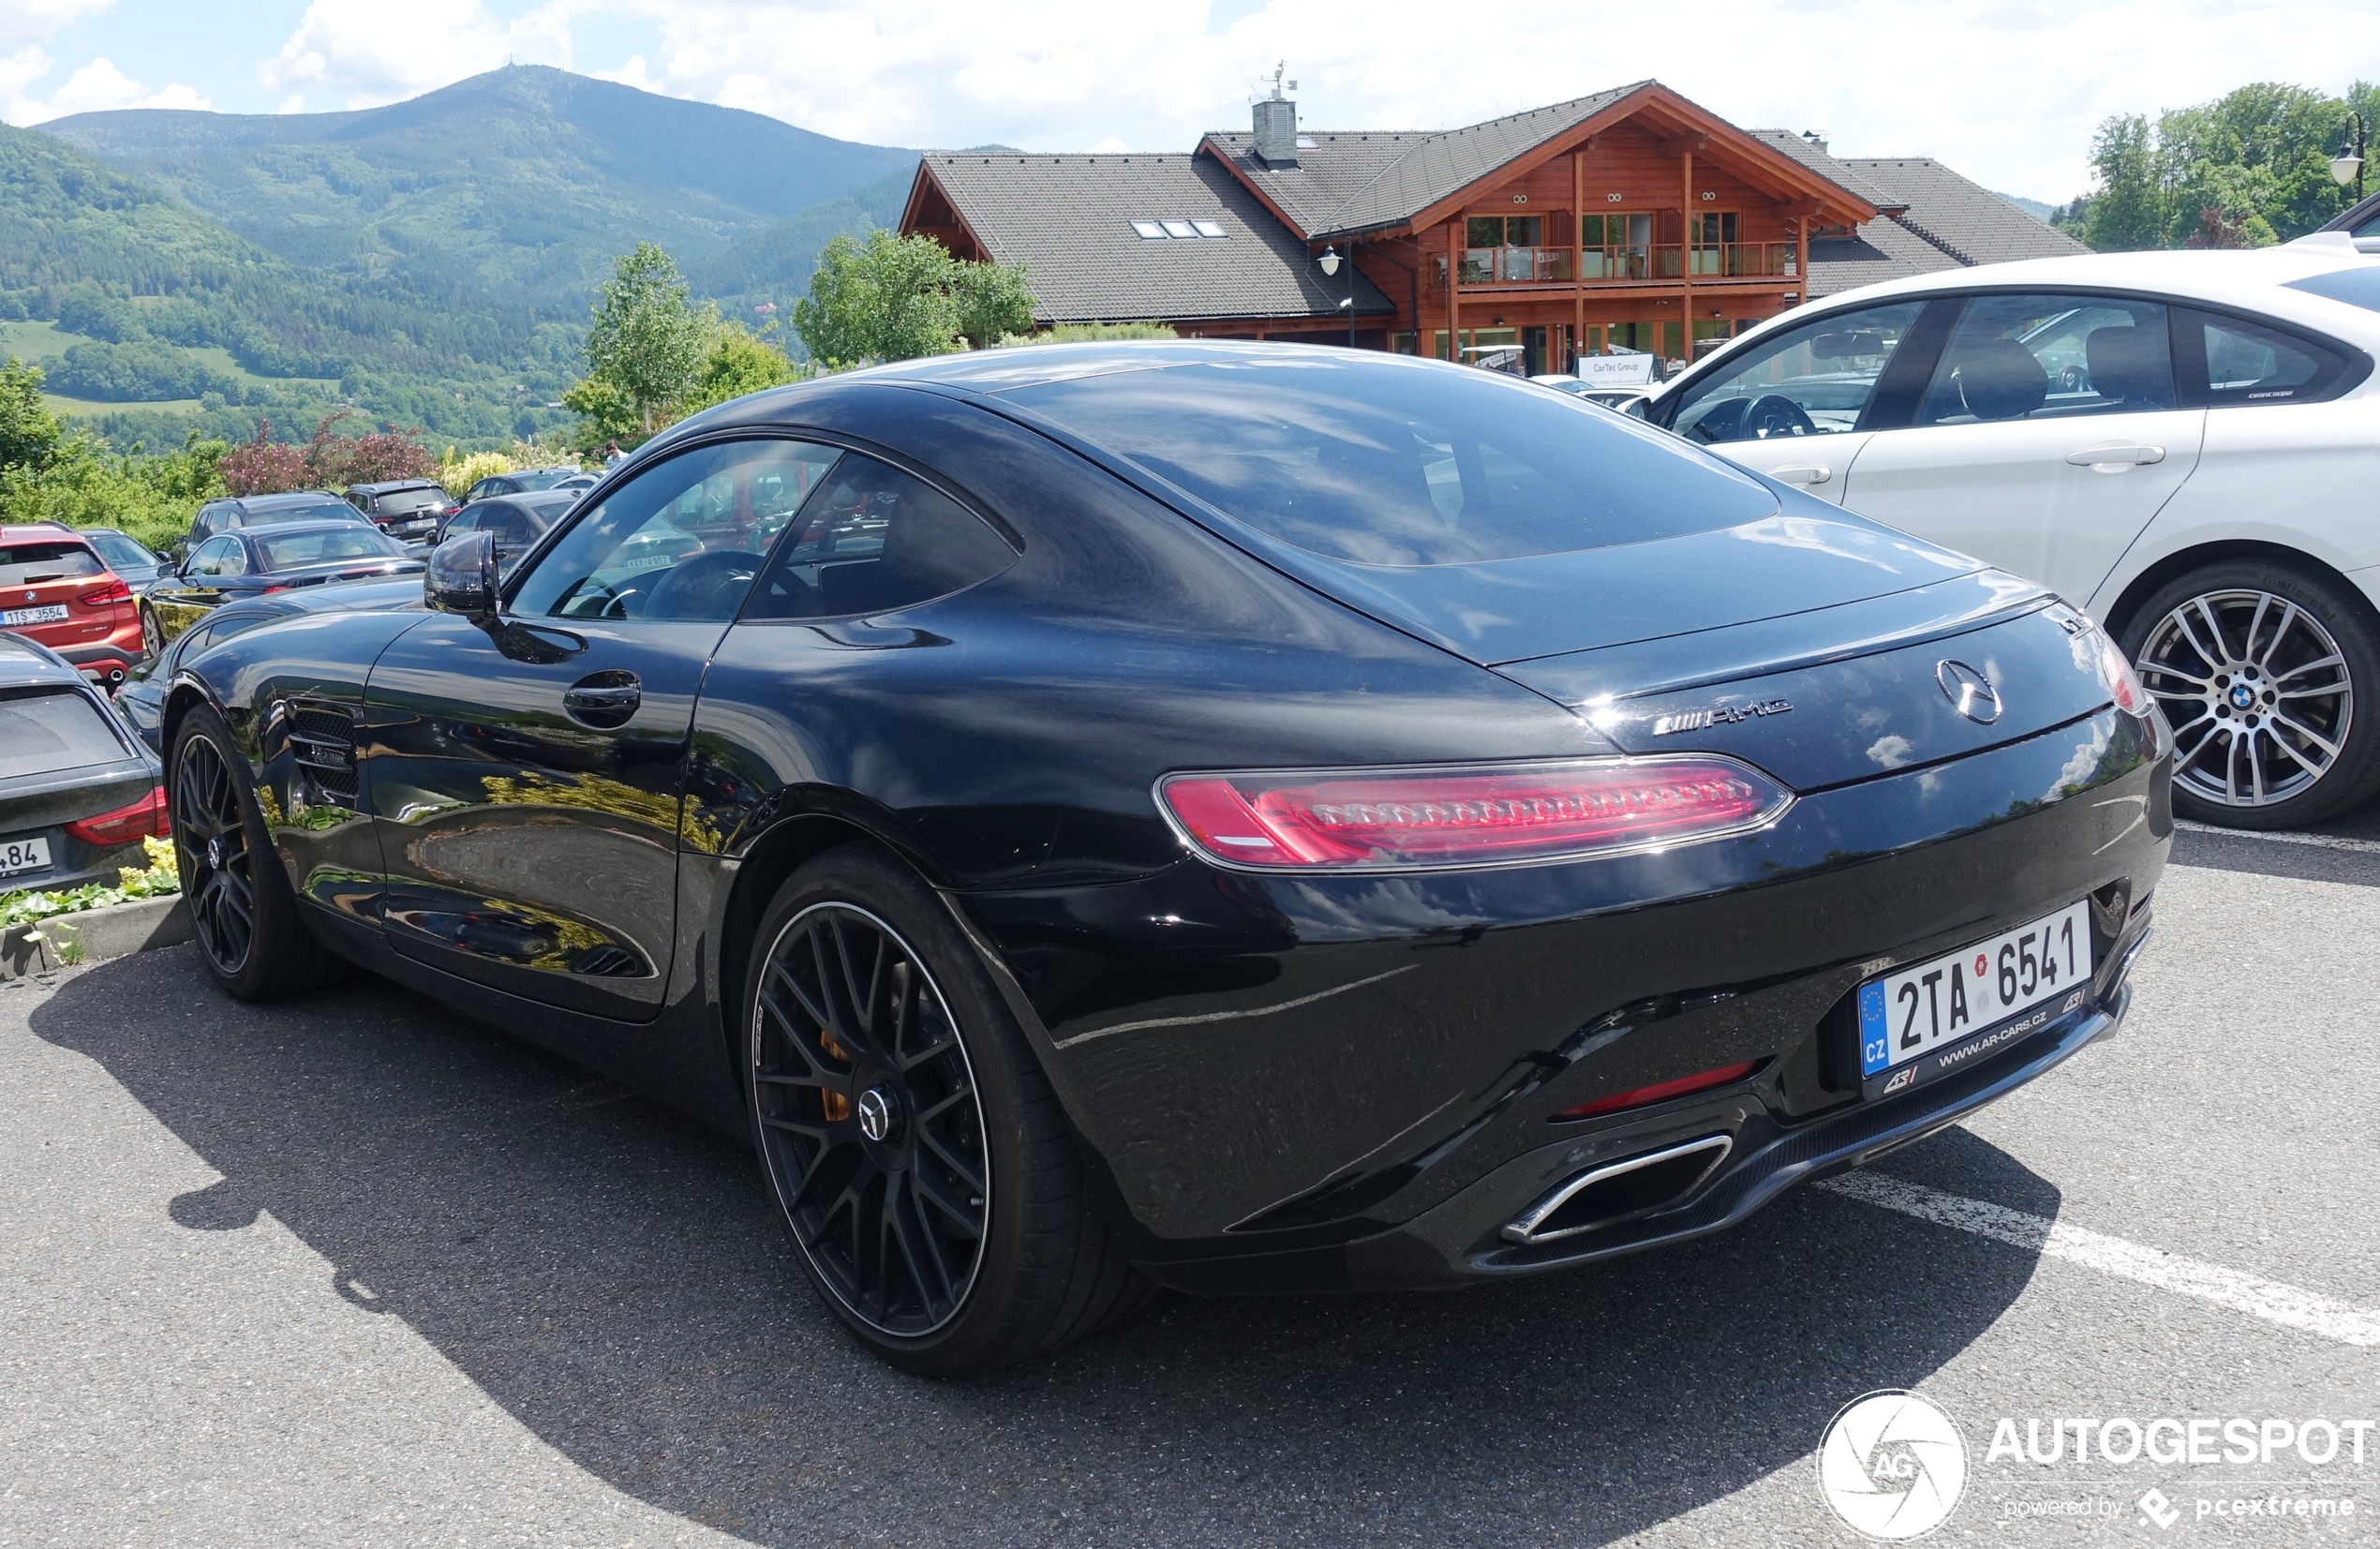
x: 1628, y: 261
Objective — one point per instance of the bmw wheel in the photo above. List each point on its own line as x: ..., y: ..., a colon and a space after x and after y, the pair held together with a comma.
x: 2270, y: 677
x: 916, y: 1150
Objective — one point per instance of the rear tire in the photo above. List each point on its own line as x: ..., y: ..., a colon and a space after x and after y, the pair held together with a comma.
x: 152, y: 635
x: 243, y: 912
x: 2270, y: 676
x: 916, y: 1150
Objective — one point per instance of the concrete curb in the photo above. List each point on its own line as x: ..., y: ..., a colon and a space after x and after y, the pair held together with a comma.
x: 119, y: 932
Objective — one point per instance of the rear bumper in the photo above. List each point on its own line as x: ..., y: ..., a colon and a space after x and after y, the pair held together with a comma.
x: 1466, y: 1241
x: 100, y: 658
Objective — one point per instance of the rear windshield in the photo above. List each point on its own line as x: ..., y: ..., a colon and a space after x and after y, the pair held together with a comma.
x: 545, y: 479
x: 299, y: 549
x: 2356, y: 287
x: 328, y: 511
x: 1392, y: 462
x: 22, y: 564
x: 404, y: 501
x: 121, y: 552
x: 42, y: 733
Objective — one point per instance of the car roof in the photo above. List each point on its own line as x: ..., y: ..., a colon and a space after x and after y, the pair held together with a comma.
x: 29, y: 663
x: 385, y: 485
x: 2258, y: 279
x: 538, y: 499
x: 288, y: 497
x: 27, y: 533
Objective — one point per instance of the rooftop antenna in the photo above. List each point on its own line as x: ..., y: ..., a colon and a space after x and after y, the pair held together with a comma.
x: 1278, y: 68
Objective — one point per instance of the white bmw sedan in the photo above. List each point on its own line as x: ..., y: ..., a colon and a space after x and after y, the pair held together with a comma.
x: 2185, y: 444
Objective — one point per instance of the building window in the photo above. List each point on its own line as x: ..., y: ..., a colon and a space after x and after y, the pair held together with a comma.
x: 1210, y: 228
x: 1178, y: 231
x: 1505, y: 250
x: 1149, y: 230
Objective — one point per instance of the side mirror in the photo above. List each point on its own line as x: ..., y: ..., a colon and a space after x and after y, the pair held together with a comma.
x: 462, y: 577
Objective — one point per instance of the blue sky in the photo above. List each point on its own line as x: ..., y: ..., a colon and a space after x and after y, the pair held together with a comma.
x: 2007, y: 91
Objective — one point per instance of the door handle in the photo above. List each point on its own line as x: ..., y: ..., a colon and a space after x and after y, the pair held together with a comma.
x: 1807, y: 473
x: 2116, y: 457
x: 603, y: 698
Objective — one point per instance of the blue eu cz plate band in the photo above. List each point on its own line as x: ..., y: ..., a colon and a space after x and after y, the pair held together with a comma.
x: 1875, y: 1041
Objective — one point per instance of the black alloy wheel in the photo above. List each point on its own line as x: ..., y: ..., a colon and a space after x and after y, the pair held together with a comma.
x: 918, y: 1155
x: 211, y: 843
x: 869, y: 1119
x: 250, y: 934
x: 2267, y: 676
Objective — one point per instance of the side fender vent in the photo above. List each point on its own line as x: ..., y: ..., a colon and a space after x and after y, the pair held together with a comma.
x: 608, y: 962
x: 322, y: 741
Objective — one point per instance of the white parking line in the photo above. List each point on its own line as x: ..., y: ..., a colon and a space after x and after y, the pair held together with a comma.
x: 2317, y: 842
x: 2287, y: 1306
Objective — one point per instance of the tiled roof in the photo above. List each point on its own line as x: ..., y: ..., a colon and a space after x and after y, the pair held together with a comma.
x: 1843, y: 173
x: 1964, y: 219
x: 1880, y: 250
x: 1067, y: 219
x: 1387, y: 179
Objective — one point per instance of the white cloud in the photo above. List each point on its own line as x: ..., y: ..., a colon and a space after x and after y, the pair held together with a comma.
x: 23, y: 21
x: 294, y: 103
x: 95, y: 88
x: 370, y: 52
x: 2008, y: 91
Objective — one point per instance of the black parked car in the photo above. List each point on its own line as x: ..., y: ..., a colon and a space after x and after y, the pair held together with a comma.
x: 522, y: 481
x: 230, y: 514
x: 141, y: 699
x: 131, y: 559
x: 1231, y: 816
x: 254, y: 562
x: 78, y: 793
x: 408, y: 510
x: 512, y: 522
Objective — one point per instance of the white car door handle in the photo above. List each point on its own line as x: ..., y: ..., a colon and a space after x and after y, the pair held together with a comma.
x: 2116, y: 457
x: 1808, y: 473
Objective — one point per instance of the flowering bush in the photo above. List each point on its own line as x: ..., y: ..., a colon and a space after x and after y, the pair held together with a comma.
x: 336, y: 459
x: 162, y: 876
x: 457, y: 475
x: 264, y: 466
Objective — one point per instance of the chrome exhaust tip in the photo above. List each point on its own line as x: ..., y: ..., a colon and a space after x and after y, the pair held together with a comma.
x: 1634, y: 1186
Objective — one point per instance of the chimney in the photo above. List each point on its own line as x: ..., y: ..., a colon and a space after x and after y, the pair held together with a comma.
x: 1276, y: 126
x: 1817, y: 142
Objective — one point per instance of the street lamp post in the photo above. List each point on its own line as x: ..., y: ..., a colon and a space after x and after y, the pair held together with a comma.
x: 1330, y: 264
x: 2347, y: 166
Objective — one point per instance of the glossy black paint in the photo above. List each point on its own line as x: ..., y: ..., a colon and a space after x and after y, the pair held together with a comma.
x: 1279, y: 1079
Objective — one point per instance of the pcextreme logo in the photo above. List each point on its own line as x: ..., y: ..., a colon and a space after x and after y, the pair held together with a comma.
x: 1892, y: 1466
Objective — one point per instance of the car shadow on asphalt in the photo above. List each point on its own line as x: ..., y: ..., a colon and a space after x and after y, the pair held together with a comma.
x: 611, y: 1272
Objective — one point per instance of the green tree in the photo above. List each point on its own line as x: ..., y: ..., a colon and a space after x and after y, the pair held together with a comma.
x: 993, y: 302
x: 888, y: 298
x: 648, y: 340
x: 2128, y: 213
x: 28, y: 431
x: 737, y: 362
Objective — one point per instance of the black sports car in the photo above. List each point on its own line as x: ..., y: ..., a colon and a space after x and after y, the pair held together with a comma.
x: 1226, y: 816
x: 257, y: 562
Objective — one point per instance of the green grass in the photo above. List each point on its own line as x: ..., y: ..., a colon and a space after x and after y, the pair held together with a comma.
x: 30, y: 341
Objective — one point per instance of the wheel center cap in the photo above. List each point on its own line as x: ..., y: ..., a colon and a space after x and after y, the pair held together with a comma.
x: 2242, y: 696
x: 879, y: 1113
x: 215, y: 854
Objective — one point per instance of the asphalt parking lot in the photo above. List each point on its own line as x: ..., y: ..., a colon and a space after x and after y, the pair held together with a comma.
x: 355, y: 1270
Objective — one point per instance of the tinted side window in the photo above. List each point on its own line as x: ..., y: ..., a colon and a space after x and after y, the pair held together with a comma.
x: 1812, y: 380
x: 2051, y: 357
x: 219, y: 557
x: 682, y: 540
x: 2229, y: 360
x: 871, y: 540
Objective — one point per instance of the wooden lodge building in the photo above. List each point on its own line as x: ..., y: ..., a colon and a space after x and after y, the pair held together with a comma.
x: 1632, y: 220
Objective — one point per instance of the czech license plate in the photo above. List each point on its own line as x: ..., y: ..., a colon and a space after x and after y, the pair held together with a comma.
x: 55, y: 613
x: 23, y: 854
x: 1930, y: 1018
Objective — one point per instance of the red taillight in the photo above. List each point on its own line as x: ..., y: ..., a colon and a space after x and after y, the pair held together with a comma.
x: 112, y: 591
x: 1725, y: 1075
x: 2123, y: 683
x: 1392, y: 819
x: 145, y: 819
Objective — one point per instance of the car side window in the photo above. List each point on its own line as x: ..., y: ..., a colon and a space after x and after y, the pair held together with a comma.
x: 2228, y: 361
x: 508, y: 525
x: 219, y: 557
x: 871, y: 540
x: 682, y: 540
x: 2054, y: 356
x: 1812, y: 380
x: 464, y: 521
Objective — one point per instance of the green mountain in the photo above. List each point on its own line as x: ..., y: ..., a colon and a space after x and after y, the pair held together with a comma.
x: 524, y: 181
x: 773, y: 265
x: 126, y: 297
